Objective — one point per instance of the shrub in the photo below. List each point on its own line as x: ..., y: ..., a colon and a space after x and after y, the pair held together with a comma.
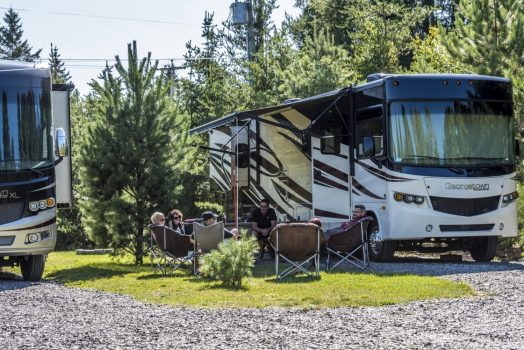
x: 231, y: 262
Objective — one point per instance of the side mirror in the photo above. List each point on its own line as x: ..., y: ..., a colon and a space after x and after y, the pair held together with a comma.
x: 368, y: 146
x: 61, y: 145
x: 517, y: 147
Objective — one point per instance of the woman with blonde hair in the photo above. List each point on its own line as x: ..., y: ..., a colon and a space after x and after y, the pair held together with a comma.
x: 158, y: 218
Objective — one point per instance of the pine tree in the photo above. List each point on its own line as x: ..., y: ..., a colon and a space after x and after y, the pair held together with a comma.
x: 487, y: 39
x: 58, y: 71
x: 11, y: 44
x: 130, y: 150
x: 320, y: 66
x: 488, y: 36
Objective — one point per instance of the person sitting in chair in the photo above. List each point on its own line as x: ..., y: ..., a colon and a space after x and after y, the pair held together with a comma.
x: 158, y: 219
x: 209, y: 218
x: 264, y: 220
x: 359, y: 212
x: 175, y: 221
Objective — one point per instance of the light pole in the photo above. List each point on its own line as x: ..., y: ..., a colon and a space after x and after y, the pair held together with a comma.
x: 242, y: 14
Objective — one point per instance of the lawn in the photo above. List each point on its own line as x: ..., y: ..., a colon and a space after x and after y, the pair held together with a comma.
x: 101, y: 272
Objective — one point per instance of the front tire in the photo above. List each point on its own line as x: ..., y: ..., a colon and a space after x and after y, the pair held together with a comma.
x: 32, y: 267
x: 483, y: 249
x: 379, y: 250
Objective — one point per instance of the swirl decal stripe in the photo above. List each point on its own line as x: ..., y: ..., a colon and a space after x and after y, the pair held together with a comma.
x: 321, y: 184
x: 329, y: 182
x: 381, y: 174
x: 330, y: 170
x: 330, y: 214
x: 364, y: 190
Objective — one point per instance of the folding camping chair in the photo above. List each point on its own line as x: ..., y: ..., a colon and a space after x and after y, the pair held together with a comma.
x: 298, y: 244
x: 347, y: 245
x: 207, y: 238
x: 174, y: 250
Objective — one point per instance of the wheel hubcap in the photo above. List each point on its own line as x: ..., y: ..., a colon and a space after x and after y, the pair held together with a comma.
x: 375, y: 241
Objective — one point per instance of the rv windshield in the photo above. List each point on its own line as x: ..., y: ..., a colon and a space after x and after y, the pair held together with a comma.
x: 25, y: 128
x: 451, y: 133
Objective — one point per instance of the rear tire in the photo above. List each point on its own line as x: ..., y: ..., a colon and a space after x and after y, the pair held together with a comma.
x: 379, y: 250
x: 483, y: 249
x: 32, y: 267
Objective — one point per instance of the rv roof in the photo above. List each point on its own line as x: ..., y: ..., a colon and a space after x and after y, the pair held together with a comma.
x: 379, y: 78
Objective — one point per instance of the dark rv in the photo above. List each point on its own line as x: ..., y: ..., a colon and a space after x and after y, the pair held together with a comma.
x: 432, y: 157
x: 35, y: 172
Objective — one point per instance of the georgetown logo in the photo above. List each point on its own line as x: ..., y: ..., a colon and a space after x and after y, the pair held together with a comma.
x: 5, y: 194
x: 467, y: 187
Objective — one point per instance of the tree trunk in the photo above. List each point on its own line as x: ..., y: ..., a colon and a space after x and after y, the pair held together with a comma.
x: 139, y: 258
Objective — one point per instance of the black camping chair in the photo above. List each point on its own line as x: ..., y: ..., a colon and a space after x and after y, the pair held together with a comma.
x: 350, y: 246
x: 174, y: 250
x: 298, y: 244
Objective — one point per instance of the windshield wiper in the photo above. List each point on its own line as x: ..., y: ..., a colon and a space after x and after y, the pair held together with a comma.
x: 413, y: 156
x: 20, y: 165
x: 479, y: 160
x: 473, y: 158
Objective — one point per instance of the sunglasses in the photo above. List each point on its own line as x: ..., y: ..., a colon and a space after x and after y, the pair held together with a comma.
x: 177, y: 217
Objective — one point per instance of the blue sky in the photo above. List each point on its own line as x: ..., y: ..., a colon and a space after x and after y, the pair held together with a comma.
x: 78, y: 30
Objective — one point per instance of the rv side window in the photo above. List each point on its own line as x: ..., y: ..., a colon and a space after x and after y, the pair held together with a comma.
x: 330, y: 142
x: 369, y: 124
x: 330, y: 128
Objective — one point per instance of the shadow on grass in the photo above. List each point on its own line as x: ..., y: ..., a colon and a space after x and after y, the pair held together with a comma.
x: 214, y: 285
x: 159, y: 275
x: 294, y: 279
x: 90, y: 273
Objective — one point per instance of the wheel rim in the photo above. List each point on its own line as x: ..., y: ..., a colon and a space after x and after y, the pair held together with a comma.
x: 375, y: 242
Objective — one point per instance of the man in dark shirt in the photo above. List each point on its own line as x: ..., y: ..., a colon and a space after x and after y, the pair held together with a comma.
x: 264, y: 219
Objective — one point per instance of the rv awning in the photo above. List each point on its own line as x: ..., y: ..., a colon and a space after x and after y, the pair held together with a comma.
x: 310, y: 107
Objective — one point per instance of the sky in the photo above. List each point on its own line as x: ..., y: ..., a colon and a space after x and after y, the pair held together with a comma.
x: 90, y: 31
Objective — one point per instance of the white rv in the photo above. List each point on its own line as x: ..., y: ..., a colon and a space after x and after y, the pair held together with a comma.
x: 35, y: 170
x: 432, y: 157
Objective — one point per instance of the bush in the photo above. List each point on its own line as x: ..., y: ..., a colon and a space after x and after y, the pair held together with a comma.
x: 231, y: 262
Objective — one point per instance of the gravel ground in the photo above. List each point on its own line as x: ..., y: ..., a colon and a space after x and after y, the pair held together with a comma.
x: 50, y: 316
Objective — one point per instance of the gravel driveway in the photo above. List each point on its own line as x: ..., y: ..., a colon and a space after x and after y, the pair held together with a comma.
x: 50, y: 316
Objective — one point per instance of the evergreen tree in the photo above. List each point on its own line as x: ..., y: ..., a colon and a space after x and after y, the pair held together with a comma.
x: 319, y: 67
x: 208, y: 92
x: 430, y: 56
x: 59, y: 73
x: 12, y: 46
x: 130, y: 150
x: 377, y: 34
x: 487, y: 39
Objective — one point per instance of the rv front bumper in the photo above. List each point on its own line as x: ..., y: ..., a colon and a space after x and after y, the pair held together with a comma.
x: 29, y: 236
x: 412, y: 222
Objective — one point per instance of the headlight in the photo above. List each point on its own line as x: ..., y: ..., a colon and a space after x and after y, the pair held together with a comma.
x: 408, y: 198
x: 33, y: 206
x: 33, y: 237
x: 510, y: 197
x: 50, y: 202
x: 42, y: 204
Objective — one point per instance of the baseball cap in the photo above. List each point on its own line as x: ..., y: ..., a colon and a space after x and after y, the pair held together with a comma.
x: 208, y: 215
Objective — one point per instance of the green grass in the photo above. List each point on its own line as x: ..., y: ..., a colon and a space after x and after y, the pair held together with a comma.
x: 101, y: 272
